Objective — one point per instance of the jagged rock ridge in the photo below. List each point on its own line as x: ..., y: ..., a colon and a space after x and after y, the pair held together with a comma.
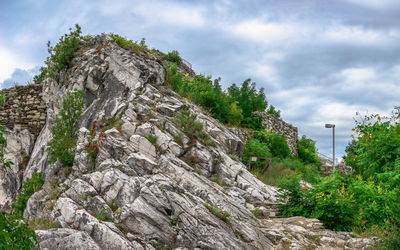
x: 150, y: 195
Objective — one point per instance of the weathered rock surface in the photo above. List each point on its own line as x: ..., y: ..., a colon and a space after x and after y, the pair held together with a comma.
x: 19, y: 145
x: 141, y: 194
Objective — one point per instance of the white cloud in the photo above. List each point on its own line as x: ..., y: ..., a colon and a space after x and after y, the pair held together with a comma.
x: 267, y: 32
x: 9, y: 62
x: 157, y: 12
x: 359, y: 35
x: 376, y: 4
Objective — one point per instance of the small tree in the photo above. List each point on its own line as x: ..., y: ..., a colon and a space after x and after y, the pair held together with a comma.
x: 61, y: 55
x: 65, y: 129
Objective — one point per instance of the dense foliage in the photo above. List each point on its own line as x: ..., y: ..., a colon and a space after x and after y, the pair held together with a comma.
x: 255, y: 148
x: 234, y: 106
x: 65, y: 130
x: 61, y: 55
x: 307, y: 150
x: 14, y: 231
x: 15, y: 234
x: 368, y: 200
x: 376, y: 149
x: 173, y: 57
x: 29, y: 187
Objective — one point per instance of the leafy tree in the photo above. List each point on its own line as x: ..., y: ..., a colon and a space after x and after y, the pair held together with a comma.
x: 65, y: 129
x: 249, y: 100
x: 307, y: 150
x: 376, y: 147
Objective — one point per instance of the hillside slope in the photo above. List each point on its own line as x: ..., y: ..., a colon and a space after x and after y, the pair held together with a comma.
x: 148, y: 192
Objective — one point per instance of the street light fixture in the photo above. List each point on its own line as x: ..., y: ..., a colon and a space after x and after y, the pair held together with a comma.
x: 333, y: 141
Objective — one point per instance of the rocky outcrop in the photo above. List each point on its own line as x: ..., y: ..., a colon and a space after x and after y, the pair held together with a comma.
x: 19, y: 146
x: 139, y: 193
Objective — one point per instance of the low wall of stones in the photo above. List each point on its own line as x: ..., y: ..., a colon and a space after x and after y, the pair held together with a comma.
x: 24, y: 108
x: 279, y: 126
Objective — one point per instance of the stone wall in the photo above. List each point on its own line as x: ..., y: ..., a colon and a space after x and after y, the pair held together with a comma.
x: 24, y: 108
x: 279, y: 126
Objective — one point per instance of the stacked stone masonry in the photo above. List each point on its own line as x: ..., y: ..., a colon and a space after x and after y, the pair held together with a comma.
x: 281, y: 127
x: 24, y: 108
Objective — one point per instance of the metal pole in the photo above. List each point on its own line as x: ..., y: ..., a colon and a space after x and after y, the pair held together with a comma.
x: 333, y: 134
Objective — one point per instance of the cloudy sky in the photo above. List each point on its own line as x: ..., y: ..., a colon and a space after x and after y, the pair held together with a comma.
x: 320, y: 61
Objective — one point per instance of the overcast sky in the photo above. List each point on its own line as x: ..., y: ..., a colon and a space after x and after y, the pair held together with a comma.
x: 319, y: 61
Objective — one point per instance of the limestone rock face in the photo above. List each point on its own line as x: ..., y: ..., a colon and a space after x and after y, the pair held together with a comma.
x: 19, y: 146
x: 142, y: 191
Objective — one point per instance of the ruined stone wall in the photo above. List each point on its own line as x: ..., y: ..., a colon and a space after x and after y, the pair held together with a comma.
x: 24, y: 108
x: 279, y: 126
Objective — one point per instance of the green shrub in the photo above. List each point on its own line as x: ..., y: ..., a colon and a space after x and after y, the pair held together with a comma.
x: 376, y: 148
x: 61, y: 55
x: 234, y: 106
x: 103, y: 216
x: 125, y: 43
x: 219, y: 213
x: 29, y: 187
x: 15, y: 234
x: 65, y: 130
x: 277, y: 144
x: 192, y: 128
x: 151, y: 138
x: 307, y: 151
x: 343, y: 202
x: 173, y: 57
x: 254, y: 148
x: 295, y: 201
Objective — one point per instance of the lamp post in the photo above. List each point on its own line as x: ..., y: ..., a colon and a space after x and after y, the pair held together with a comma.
x: 333, y: 141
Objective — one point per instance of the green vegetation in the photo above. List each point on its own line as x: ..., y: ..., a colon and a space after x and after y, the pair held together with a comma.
x: 135, y: 47
x: 151, y: 138
x: 307, y: 151
x: 191, y: 127
x: 254, y: 148
x: 266, y: 144
x: 65, y: 130
x: 103, y: 216
x: 15, y: 234
x: 61, y: 55
x: 219, y: 213
x: 29, y: 187
x: 276, y: 143
x: 367, y: 201
x: 234, y: 106
x: 173, y: 57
